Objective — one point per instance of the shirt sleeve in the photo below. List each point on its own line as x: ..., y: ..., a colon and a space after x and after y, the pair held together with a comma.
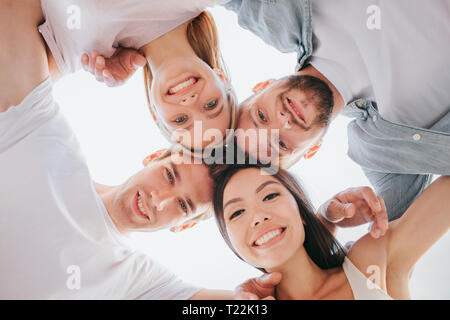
x: 397, y: 190
x: 19, y: 121
x: 153, y: 281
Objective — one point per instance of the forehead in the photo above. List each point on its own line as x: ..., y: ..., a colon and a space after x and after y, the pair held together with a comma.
x: 251, y: 178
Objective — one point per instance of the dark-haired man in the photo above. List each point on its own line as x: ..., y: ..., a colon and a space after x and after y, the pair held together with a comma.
x: 395, y: 53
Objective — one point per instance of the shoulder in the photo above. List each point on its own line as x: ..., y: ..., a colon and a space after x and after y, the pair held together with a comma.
x: 369, y: 255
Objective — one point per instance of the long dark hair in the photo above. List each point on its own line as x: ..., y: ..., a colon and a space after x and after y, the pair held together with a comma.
x: 321, y: 246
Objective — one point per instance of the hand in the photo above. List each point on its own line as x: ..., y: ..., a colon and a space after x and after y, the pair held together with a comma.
x: 360, y: 205
x: 261, y: 288
x: 116, y: 70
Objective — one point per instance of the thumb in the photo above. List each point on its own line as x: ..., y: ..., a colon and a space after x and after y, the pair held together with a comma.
x: 335, y: 211
x: 139, y: 61
x: 269, y: 279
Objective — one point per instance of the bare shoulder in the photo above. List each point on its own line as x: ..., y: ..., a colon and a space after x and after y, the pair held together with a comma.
x: 369, y: 255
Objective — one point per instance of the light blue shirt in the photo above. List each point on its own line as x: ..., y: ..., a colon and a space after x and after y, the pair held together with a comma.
x: 398, y: 160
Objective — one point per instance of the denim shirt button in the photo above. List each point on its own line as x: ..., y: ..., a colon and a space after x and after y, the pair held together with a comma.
x: 374, y: 118
x: 416, y: 137
x: 359, y: 104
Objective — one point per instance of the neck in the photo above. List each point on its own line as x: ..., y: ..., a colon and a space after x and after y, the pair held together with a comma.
x: 107, y: 194
x: 338, y: 101
x: 172, y: 45
x: 302, y: 278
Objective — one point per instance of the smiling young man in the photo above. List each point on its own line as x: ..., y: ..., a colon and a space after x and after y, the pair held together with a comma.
x: 61, y: 237
x: 395, y: 53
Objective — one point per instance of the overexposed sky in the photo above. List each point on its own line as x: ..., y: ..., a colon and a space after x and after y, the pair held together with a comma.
x: 116, y: 132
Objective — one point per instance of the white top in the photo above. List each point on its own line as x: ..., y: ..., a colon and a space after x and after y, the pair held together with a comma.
x: 404, y: 65
x: 57, y: 240
x: 74, y: 27
x: 363, y: 288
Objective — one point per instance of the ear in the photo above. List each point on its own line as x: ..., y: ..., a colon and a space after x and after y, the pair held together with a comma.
x: 191, y: 222
x: 183, y: 227
x: 313, y: 150
x: 262, y: 85
x: 152, y: 157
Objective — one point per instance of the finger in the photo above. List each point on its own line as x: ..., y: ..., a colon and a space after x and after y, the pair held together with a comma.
x: 269, y: 280
x: 139, y: 61
x: 366, y: 213
x: 269, y: 298
x: 99, y: 66
x: 92, y: 58
x: 244, y: 295
x: 85, y: 61
x: 371, y: 198
x: 109, y: 79
x: 381, y: 218
x: 350, y: 210
x: 335, y: 211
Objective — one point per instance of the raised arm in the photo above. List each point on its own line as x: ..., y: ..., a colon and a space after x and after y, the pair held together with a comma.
x: 23, y: 60
x: 424, y: 223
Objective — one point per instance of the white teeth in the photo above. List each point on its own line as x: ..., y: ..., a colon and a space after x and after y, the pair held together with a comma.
x: 140, y: 206
x: 295, y: 109
x: 267, y: 237
x: 182, y: 85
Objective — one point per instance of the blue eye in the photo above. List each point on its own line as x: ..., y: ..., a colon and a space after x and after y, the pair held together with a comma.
x: 170, y: 176
x: 282, y: 144
x: 271, y: 196
x: 211, y: 105
x: 180, y: 119
x: 236, y: 214
x: 183, y: 205
x: 261, y: 116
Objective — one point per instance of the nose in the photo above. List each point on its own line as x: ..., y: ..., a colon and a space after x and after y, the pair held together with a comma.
x: 259, y: 218
x: 189, y: 99
x: 285, y: 118
x: 161, y: 200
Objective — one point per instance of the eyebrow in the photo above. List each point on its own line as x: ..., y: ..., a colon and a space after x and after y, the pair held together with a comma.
x: 232, y: 201
x: 191, y: 204
x: 262, y: 186
x: 265, y: 184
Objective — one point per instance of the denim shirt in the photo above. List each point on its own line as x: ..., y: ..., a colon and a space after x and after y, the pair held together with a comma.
x: 283, y: 24
x: 397, y: 159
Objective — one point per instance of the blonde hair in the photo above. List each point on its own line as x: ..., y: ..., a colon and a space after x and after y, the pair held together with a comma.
x: 202, y: 36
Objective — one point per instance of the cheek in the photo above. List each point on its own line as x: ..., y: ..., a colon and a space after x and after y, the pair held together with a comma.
x: 237, y: 238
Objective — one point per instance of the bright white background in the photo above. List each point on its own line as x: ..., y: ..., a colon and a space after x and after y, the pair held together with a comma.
x: 116, y: 132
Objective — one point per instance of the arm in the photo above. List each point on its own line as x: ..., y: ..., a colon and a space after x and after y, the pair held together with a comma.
x: 262, y: 287
x: 207, y: 294
x: 23, y: 61
x: 424, y: 223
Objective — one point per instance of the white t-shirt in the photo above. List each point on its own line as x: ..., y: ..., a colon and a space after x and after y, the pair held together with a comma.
x: 74, y: 27
x: 57, y: 240
x: 404, y: 66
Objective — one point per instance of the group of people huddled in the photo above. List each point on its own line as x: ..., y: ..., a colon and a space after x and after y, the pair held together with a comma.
x: 393, y: 79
